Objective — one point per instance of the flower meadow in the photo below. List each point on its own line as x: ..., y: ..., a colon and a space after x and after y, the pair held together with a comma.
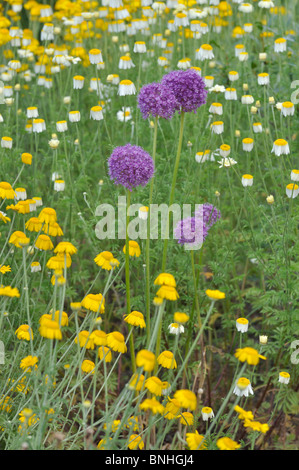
x: 182, y: 342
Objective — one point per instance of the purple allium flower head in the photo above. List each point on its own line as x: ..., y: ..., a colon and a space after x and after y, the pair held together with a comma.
x: 157, y: 100
x: 209, y: 213
x: 191, y: 231
x: 188, y: 87
x: 130, y: 166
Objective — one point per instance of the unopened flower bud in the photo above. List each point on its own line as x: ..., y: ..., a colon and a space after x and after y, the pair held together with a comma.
x: 270, y: 199
x: 263, y: 56
x: 263, y: 339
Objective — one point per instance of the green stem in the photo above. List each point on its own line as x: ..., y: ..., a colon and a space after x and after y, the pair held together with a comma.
x: 127, y: 271
x: 158, y: 332
x: 27, y: 297
x: 147, y: 247
x: 223, y: 406
x: 195, y: 287
x: 174, y: 178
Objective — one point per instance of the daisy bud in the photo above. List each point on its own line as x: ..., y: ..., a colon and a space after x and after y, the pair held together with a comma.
x: 53, y: 143
x: 263, y: 339
x: 9, y: 101
x: 262, y: 56
x: 270, y: 199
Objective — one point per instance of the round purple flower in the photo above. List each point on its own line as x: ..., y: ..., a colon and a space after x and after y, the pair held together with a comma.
x: 188, y: 88
x: 209, y: 213
x: 191, y: 231
x: 130, y: 166
x: 155, y: 100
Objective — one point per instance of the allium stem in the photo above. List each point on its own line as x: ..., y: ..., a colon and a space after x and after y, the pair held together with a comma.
x: 147, y: 248
x: 195, y: 288
x: 174, y: 178
x: 193, y: 345
x: 128, y: 283
x: 127, y: 254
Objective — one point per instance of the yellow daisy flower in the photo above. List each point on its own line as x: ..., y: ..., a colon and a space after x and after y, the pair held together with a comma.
x: 186, y: 398
x: 106, y: 260
x: 166, y: 359
x: 250, y: 355
x: 88, y: 366
x: 145, y: 359
x: 116, y: 342
x: 135, y: 318
x: 195, y: 441
x: 134, y: 249
x: 226, y: 443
